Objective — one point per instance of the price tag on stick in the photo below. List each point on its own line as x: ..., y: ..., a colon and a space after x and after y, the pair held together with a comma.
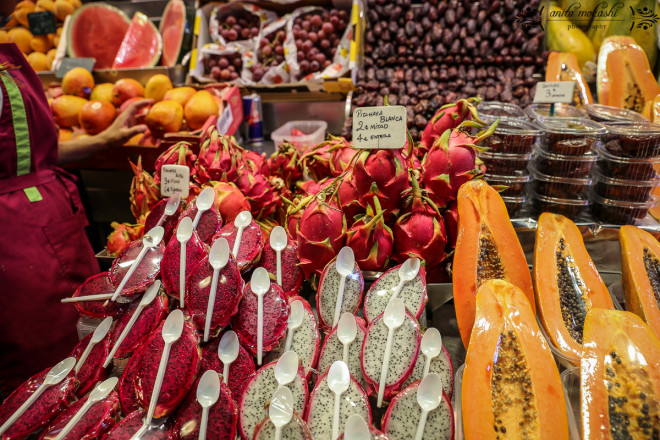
x: 174, y: 179
x: 379, y: 127
x: 42, y: 23
x: 551, y: 92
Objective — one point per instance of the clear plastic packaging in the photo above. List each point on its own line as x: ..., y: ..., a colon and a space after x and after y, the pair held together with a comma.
x: 626, y: 168
x: 570, y: 380
x: 570, y: 136
x: 535, y: 111
x: 636, y: 139
x: 515, y: 184
x: 606, y: 114
x: 626, y: 190
x: 514, y: 204
x: 512, y: 136
x: 505, y: 164
x: 491, y: 110
x: 619, y: 212
x: 561, y: 165
x: 313, y: 134
x: 559, y: 187
x: 571, y: 208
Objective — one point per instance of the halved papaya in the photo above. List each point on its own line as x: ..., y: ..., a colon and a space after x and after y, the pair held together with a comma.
x: 563, y: 66
x: 655, y: 110
x: 566, y: 283
x: 619, y: 377
x: 602, y: 79
x: 511, y: 385
x: 640, y: 267
x: 487, y: 248
x: 632, y: 84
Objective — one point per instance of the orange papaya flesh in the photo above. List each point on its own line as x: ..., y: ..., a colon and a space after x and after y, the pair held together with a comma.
x: 602, y: 79
x: 487, y: 248
x: 640, y: 267
x: 509, y: 360
x: 632, y: 84
x: 619, y: 377
x: 563, y: 66
x: 566, y: 283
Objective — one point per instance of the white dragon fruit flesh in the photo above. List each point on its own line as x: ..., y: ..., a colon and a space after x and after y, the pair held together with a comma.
x: 413, y: 293
x: 296, y: 429
x: 326, y: 295
x: 333, y: 350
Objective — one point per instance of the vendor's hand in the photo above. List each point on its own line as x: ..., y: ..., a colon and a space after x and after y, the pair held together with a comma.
x: 123, y: 128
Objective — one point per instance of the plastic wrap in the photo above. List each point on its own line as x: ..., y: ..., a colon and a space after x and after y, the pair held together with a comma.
x: 263, y: 65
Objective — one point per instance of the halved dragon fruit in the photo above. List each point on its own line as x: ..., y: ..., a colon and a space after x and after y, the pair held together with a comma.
x: 170, y: 222
x: 322, y: 403
x: 94, y: 285
x: 413, y: 293
x: 209, y: 223
x: 441, y: 365
x: 405, y: 349
x: 92, y: 370
x: 170, y: 267
x: 223, y: 416
x: 125, y: 429
x: 296, y: 429
x: 252, y: 243
x: 275, y: 314
x: 126, y: 384
x: 259, y: 390
x: 306, y: 340
x: 240, y: 371
x: 403, y: 414
x: 292, y: 276
x: 47, y: 406
x: 227, y: 297
x: 180, y: 373
x: 146, y: 271
x: 97, y: 420
x: 326, y: 295
x: 375, y: 434
x: 333, y: 350
x: 152, y: 315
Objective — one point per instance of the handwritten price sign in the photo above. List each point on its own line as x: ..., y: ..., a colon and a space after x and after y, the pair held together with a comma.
x: 174, y: 179
x: 379, y: 127
x: 553, y: 92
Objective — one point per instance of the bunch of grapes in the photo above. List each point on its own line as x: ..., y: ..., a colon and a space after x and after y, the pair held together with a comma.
x: 317, y: 35
x: 269, y: 53
x: 242, y: 27
x: 223, y: 67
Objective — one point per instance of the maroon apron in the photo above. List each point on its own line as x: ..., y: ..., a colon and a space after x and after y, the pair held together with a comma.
x: 44, y: 252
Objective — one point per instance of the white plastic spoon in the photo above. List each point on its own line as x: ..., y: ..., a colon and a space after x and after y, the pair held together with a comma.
x: 170, y: 208
x: 286, y: 368
x: 394, y: 315
x: 54, y: 376
x: 407, y: 272
x: 346, y: 332
x: 296, y: 317
x: 150, y: 239
x: 218, y: 258
x: 97, y: 336
x: 227, y: 352
x: 356, y: 428
x: 278, y: 241
x: 203, y: 203
x: 429, y: 396
x: 208, y: 392
x: 99, y: 393
x: 345, y: 264
x: 338, y: 381
x: 98, y: 297
x: 260, y: 284
x: 183, y: 233
x: 242, y: 221
x: 431, y: 346
x: 146, y: 299
x: 280, y: 410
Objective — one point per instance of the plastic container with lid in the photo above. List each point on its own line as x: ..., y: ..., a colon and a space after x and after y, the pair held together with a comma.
x: 571, y: 208
x: 627, y: 168
x: 559, y: 187
x: 553, y: 164
x: 313, y: 134
x: 505, y: 164
x: 535, y: 111
x: 570, y: 136
x: 490, y: 110
x: 635, y: 139
x: 512, y: 136
x: 514, y: 204
x: 626, y: 190
x: 515, y: 185
x: 619, y: 212
x: 606, y: 114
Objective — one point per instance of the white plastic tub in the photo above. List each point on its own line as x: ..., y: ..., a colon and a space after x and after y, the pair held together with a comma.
x: 313, y: 134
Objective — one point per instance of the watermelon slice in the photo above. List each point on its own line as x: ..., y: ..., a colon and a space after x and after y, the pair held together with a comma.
x: 142, y: 45
x: 96, y: 30
x: 172, y: 28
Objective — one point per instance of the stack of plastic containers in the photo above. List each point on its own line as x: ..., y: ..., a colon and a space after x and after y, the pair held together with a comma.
x: 540, y: 111
x: 606, y: 114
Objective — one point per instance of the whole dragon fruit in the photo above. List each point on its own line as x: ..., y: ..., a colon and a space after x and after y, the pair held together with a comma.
x: 144, y: 193
x: 420, y: 230
x: 255, y: 162
x: 448, y: 117
x: 122, y: 235
x: 371, y: 239
x: 257, y: 190
x: 284, y: 163
x: 348, y: 198
x: 178, y: 154
x: 382, y: 173
x: 317, y: 160
x: 341, y: 154
x: 452, y: 161
x: 219, y: 158
x: 451, y: 224
x: 229, y: 200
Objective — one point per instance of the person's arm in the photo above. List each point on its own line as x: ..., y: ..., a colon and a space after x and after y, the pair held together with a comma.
x: 122, y: 129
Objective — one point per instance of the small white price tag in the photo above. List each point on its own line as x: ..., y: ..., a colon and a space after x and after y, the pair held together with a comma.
x: 174, y: 179
x: 225, y: 120
x: 379, y: 127
x: 555, y: 91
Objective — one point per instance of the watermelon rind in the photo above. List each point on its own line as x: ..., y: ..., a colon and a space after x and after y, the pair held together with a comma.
x: 173, y: 7
x: 140, y: 19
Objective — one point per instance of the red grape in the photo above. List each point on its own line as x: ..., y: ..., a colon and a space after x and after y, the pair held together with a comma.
x: 223, y: 63
x: 225, y: 74
x: 316, y: 21
x: 313, y: 37
x: 232, y: 35
x: 328, y: 28
x: 230, y: 20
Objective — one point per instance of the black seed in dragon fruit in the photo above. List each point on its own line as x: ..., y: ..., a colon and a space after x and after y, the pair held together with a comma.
x: 405, y: 349
x: 170, y: 267
x: 223, y: 416
x: 296, y: 429
x: 403, y: 414
x: 326, y: 295
x: 126, y: 384
x: 253, y: 406
x: 180, y: 373
x: 95, y: 285
x: 145, y: 274
x: 98, y: 419
x: 292, y: 276
x: 127, y: 427
x: 321, y: 406
x: 413, y: 293
x: 441, y: 365
x: 92, y: 370
x: 252, y: 244
x: 209, y: 223
x: 170, y: 222
x: 150, y: 317
x: 333, y: 350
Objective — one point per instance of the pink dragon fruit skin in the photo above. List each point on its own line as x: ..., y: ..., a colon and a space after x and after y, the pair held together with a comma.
x: 126, y: 384
x: 292, y: 276
x: 320, y: 408
x: 128, y: 426
x: 341, y: 156
x: 383, y: 173
x: 403, y: 415
x: 296, y: 429
x: 414, y: 293
x: 284, y: 163
x: 228, y: 294
x: 146, y: 272
x: 97, y: 284
x: 276, y: 315
x: 223, y: 416
x: 209, y: 223
x: 260, y: 388
x: 448, y: 117
x: 257, y: 189
x: 150, y: 317
x: 317, y: 161
x: 180, y: 373
x: 178, y: 154
x: 170, y: 267
x: 405, y: 349
x: 252, y: 243
x: 219, y: 158
x: 100, y: 417
x: 326, y: 295
x: 256, y: 162
x: 240, y: 371
x: 170, y: 222
x: 348, y: 199
x: 92, y: 370
x: 229, y: 200
x: 53, y: 401
x: 451, y: 224
x: 441, y: 365
x: 371, y: 239
x: 332, y: 350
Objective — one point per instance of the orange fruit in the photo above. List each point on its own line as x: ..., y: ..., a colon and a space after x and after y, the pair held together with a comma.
x: 78, y: 82
x: 157, y: 86
x: 180, y: 95
x: 38, y: 61
x: 4, y: 36
x: 41, y: 43
x: 21, y: 11
x: 66, y: 109
x: 198, y: 109
x: 64, y: 134
x: 22, y: 38
x: 51, y: 56
x: 96, y: 116
x: 102, y: 92
x: 125, y: 89
x: 45, y: 5
x: 62, y: 8
x: 164, y: 117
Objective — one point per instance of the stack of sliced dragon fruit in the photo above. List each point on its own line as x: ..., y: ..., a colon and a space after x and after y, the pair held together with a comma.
x: 232, y: 318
